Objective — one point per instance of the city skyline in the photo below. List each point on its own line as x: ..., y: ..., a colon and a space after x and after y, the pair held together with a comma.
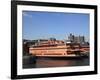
x: 37, y: 25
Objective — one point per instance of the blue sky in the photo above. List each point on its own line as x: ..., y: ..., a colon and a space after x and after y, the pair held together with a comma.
x: 37, y: 25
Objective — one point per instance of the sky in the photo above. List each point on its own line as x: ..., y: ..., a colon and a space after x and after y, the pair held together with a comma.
x: 44, y: 25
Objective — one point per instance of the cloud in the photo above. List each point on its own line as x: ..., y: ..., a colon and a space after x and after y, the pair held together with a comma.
x: 27, y: 15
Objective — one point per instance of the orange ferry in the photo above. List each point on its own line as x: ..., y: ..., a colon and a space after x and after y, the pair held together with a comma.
x: 58, y: 48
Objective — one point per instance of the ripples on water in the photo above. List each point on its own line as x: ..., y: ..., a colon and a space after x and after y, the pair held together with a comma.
x: 61, y: 63
x: 47, y: 62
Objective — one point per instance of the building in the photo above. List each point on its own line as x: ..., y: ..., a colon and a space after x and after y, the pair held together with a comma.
x: 71, y: 38
x: 76, y: 39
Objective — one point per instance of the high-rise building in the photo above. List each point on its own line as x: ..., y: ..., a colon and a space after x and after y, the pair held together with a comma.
x: 76, y: 39
x: 71, y: 38
x: 81, y: 39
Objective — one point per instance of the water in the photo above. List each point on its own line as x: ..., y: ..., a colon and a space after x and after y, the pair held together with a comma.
x: 40, y: 63
x: 49, y: 62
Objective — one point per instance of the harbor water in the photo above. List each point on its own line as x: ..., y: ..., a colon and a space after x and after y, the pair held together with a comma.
x: 53, y: 62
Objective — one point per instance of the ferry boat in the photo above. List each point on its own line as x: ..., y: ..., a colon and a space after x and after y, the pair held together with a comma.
x: 58, y: 48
